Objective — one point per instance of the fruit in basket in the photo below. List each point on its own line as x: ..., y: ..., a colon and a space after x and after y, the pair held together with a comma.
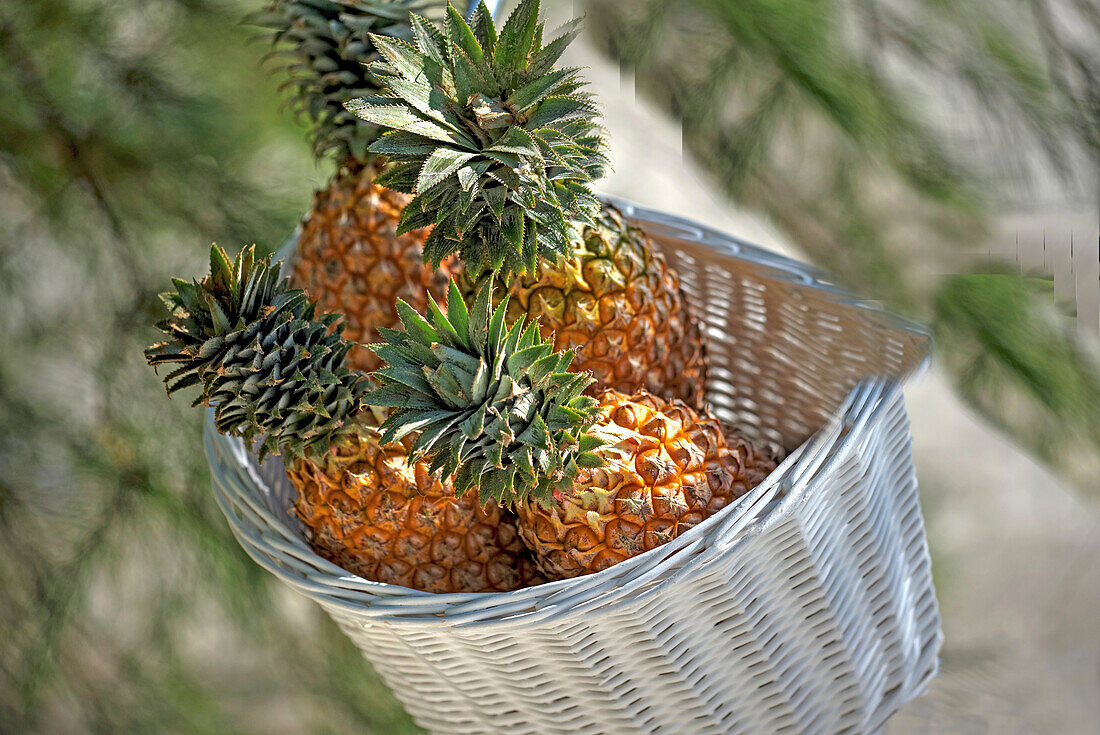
x: 666, y: 468
x: 274, y: 372
x: 615, y: 302
x: 497, y: 148
x: 349, y: 256
x: 594, y: 482
x: 372, y: 512
x: 492, y: 406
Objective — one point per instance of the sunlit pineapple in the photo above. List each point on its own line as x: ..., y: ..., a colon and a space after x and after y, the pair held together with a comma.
x: 664, y: 469
x: 615, y: 302
x: 594, y: 482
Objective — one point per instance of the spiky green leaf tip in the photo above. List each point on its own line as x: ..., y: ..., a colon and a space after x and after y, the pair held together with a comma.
x: 494, y: 406
x: 271, y: 368
x: 497, y: 145
x: 323, y: 47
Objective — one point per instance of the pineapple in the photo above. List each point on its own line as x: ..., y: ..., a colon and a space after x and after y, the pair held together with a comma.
x: 665, y: 469
x: 369, y: 510
x: 349, y: 257
x: 615, y: 302
x: 274, y: 374
x: 593, y: 482
x: 497, y: 147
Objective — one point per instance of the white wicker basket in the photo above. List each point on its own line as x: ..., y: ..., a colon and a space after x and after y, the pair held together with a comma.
x: 806, y: 607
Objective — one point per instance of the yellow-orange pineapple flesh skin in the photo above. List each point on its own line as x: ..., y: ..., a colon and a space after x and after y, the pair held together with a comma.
x: 667, y: 468
x: 350, y: 261
x: 615, y: 301
x: 368, y: 511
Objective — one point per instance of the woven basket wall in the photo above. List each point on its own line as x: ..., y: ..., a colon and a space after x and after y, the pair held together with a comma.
x: 806, y: 607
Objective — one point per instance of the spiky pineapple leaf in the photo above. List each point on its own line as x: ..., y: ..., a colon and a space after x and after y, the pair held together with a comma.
x: 324, y: 47
x: 514, y: 42
x: 492, y: 404
x: 462, y: 36
x: 268, y: 365
x: 496, y: 135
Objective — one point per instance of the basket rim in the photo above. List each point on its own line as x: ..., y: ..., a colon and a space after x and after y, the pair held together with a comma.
x: 782, y: 267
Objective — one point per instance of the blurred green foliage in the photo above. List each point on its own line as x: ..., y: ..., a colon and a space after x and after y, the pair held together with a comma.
x: 1010, y: 345
x: 790, y: 118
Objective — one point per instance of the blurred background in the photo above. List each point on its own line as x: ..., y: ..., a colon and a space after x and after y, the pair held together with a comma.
x: 942, y: 157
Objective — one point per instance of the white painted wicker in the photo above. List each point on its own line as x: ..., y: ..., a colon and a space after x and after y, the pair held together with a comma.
x: 806, y: 607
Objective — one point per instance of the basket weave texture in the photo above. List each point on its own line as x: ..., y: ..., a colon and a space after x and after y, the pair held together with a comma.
x: 807, y: 606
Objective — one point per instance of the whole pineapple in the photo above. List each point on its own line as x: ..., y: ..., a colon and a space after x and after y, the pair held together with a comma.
x: 614, y: 301
x: 498, y: 147
x: 350, y: 258
x: 594, y: 483
x: 274, y: 373
x: 665, y: 469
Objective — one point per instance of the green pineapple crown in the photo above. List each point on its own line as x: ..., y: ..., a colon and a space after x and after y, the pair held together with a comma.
x: 497, y: 145
x: 494, y: 406
x: 324, y: 46
x: 271, y: 368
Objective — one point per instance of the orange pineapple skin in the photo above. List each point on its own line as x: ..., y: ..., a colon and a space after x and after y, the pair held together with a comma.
x: 666, y: 468
x: 368, y: 511
x: 614, y: 300
x: 350, y: 261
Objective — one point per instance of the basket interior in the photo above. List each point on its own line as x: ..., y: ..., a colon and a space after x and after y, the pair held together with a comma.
x: 784, y: 347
